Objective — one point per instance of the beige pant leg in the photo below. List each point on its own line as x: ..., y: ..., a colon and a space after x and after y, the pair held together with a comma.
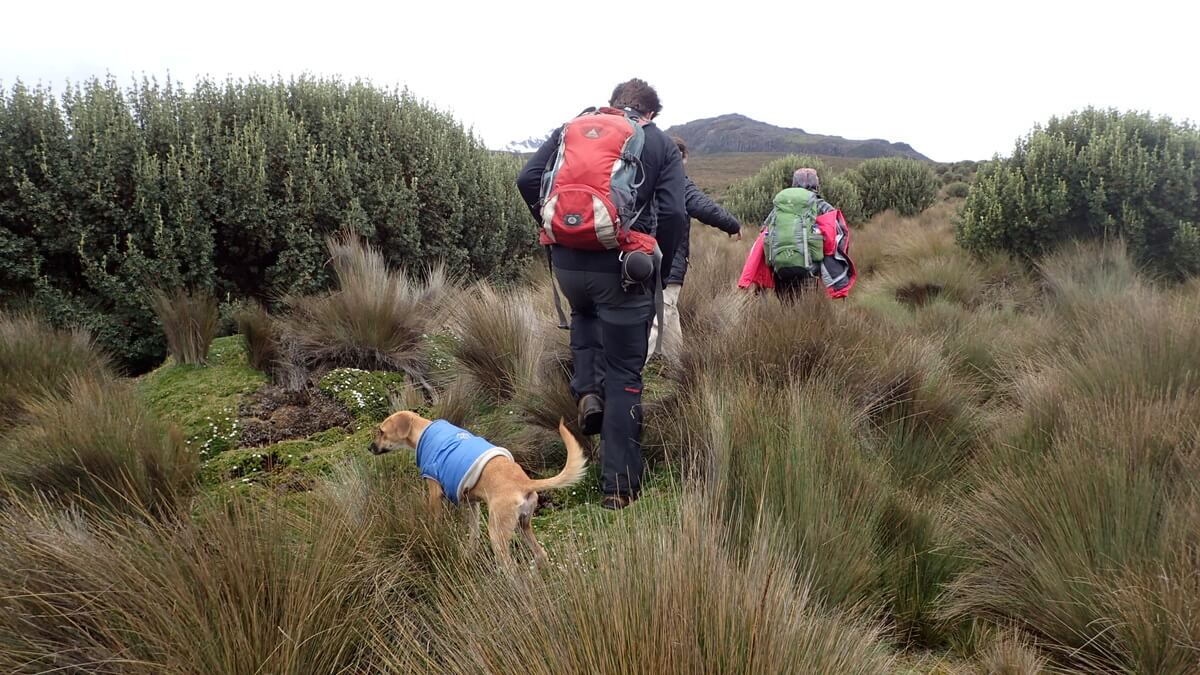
x: 672, y: 343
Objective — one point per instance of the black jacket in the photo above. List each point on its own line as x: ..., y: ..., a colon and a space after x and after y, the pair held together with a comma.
x: 705, y: 210
x: 664, y: 184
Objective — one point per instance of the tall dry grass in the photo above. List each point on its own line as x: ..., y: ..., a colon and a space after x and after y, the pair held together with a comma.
x: 97, y: 446
x: 240, y: 586
x: 260, y: 336
x: 1079, y: 527
x: 665, y: 595
x: 1000, y: 477
x: 38, y: 360
x: 376, y: 319
x: 189, y: 321
x: 233, y: 590
x: 500, y: 339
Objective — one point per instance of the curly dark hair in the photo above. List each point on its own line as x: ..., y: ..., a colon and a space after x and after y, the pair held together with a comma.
x: 681, y: 145
x: 636, y: 94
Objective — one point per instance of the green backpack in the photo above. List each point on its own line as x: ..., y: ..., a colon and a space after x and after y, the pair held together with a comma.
x: 793, y: 239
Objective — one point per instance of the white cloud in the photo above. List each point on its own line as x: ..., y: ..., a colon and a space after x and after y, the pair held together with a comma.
x: 956, y: 80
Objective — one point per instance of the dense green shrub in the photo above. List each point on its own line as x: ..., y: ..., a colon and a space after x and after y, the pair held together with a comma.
x: 1093, y: 174
x: 843, y: 193
x: 232, y: 188
x: 749, y: 200
x: 907, y: 186
x: 957, y: 190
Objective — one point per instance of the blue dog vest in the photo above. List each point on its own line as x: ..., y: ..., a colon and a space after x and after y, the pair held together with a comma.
x: 454, y: 457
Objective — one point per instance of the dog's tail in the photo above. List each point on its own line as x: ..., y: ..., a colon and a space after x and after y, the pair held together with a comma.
x: 573, y: 471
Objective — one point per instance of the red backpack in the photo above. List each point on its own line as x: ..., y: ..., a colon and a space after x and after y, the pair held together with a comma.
x: 590, y: 187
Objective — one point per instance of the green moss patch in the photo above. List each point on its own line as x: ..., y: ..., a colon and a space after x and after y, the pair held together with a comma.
x: 203, y: 400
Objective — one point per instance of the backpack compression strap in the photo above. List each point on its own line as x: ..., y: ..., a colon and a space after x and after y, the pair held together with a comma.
x: 658, y: 298
x: 562, y: 319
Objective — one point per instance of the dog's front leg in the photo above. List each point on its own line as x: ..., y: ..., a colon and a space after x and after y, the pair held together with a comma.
x: 435, y: 497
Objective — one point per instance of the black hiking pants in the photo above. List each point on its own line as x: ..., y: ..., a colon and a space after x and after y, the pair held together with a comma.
x: 790, y: 283
x: 610, y: 333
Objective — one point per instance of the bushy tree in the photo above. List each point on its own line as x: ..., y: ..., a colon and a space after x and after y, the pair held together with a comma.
x: 749, y: 199
x: 232, y: 188
x: 908, y: 186
x: 1093, y: 174
x: 843, y: 193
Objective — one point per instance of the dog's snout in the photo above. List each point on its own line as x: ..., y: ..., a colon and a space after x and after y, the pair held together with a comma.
x: 374, y: 448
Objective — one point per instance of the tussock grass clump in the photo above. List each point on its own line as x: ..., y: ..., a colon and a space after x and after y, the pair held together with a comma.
x: 239, y: 588
x: 789, y: 457
x: 189, y: 321
x: 1009, y: 653
x: 385, y: 504
x: 260, y: 334
x: 376, y: 319
x: 800, y: 460
x: 889, y: 241
x: 774, y: 342
x: 458, y: 402
x: 991, y: 347
x: 99, y: 447
x: 665, y: 596
x: 1077, y: 531
x: 499, y: 340
x: 710, y: 302
x: 1141, y: 351
x: 1083, y: 281
x: 915, y: 262
x: 37, y: 360
x: 1079, y: 548
x: 920, y: 556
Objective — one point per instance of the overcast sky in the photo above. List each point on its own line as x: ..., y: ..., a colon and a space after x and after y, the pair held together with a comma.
x: 957, y: 80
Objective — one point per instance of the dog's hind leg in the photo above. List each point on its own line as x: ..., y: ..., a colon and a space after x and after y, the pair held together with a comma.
x: 525, y: 521
x: 502, y: 520
x: 473, y: 518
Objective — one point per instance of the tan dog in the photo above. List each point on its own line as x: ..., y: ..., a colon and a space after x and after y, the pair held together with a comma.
x: 494, y: 478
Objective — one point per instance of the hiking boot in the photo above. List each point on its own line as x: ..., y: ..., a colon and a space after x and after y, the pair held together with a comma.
x: 591, y: 414
x: 615, y: 502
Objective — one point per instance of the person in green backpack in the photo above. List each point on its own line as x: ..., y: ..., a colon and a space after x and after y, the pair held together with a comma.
x: 792, y: 245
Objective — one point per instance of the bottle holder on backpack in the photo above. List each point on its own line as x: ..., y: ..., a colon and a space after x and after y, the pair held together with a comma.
x: 637, y: 269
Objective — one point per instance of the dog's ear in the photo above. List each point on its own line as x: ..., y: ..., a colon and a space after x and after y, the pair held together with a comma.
x: 397, y: 427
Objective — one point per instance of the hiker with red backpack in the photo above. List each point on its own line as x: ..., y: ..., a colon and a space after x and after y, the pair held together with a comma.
x: 804, y: 239
x: 701, y: 207
x: 608, y: 192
